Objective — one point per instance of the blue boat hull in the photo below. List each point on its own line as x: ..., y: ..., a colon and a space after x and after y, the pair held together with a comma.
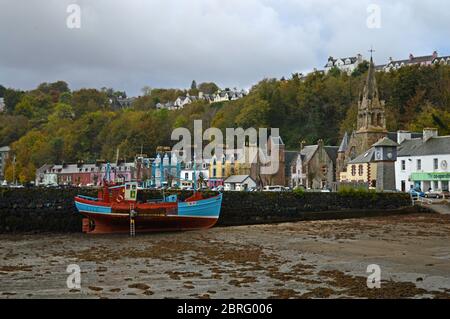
x: 101, y: 218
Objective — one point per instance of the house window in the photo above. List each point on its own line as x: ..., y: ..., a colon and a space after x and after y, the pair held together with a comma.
x: 436, y: 164
x: 214, y: 172
x: 403, y: 165
x: 360, y: 170
x: 419, y: 165
x: 186, y: 175
x: 435, y: 185
x: 353, y: 170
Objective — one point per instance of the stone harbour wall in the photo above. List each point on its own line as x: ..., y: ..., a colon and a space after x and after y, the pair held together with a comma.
x: 53, y: 210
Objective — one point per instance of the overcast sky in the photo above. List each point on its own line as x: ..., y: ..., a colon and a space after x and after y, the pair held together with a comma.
x: 127, y: 44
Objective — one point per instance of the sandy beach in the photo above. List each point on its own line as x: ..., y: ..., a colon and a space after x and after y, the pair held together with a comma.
x: 318, y: 259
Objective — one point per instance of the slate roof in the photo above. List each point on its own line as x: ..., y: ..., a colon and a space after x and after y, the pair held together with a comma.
x: 308, y: 152
x: 417, y: 147
x: 367, y: 157
x: 289, y: 158
x: 237, y: 179
x: 344, y: 144
x: 414, y: 60
x: 332, y: 152
x: 385, y: 142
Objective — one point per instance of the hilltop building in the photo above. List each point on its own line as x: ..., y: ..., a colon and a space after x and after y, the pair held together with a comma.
x: 220, y: 96
x: 425, y: 60
x: 347, y: 65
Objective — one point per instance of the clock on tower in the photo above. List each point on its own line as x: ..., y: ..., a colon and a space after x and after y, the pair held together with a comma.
x: 385, y: 156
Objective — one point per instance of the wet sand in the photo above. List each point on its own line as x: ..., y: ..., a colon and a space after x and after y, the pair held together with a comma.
x: 318, y: 259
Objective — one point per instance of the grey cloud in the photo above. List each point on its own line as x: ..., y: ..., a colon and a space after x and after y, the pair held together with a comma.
x: 167, y: 43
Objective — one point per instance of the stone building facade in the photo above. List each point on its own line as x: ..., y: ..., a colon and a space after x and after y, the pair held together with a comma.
x: 371, y: 124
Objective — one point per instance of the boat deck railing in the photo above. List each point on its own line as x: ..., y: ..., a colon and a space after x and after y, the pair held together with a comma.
x: 88, y: 198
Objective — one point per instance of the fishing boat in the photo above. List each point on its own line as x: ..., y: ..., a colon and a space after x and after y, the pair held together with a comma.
x: 117, y: 210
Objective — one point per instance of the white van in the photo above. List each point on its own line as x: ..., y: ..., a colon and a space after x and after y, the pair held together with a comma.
x: 275, y: 188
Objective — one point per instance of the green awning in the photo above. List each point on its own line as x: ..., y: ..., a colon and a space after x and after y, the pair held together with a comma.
x: 430, y: 176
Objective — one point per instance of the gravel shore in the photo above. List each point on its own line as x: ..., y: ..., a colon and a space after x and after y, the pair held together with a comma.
x: 318, y: 259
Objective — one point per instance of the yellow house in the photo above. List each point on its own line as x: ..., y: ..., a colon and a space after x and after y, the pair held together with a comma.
x: 228, y: 165
x: 362, y: 169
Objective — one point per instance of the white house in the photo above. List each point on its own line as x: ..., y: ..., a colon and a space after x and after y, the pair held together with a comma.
x: 442, y: 60
x: 347, y: 65
x: 187, y: 173
x: 423, y: 162
x: 2, y: 104
x: 239, y: 183
x: 425, y: 60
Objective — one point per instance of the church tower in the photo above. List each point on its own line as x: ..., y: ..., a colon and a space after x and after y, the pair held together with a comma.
x: 371, y: 123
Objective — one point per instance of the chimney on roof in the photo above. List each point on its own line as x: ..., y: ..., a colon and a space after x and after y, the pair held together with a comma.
x: 429, y: 133
x: 435, y: 54
x: 411, y: 56
x: 320, y: 143
x: 302, y: 145
x: 403, y: 136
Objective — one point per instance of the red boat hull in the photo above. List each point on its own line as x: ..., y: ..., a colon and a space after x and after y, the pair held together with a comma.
x: 100, y: 224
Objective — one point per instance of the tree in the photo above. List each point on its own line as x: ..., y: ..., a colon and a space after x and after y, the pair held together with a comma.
x: 335, y: 71
x: 361, y: 69
x: 208, y: 87
x: 12, y: 98
x: 2, y: 91
x: 12, y: 128
x: 432, y: 117
x: 89, y: 100
x: 194, y: 85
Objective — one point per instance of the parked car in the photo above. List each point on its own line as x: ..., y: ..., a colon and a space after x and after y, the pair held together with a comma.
x: 416, y: 192
x: 433, y: 194
x: 275, y: 188
x: 218, y: 189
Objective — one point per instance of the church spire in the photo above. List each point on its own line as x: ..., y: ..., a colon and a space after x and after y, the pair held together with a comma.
x: 370, y: 92
x: 371, y: 114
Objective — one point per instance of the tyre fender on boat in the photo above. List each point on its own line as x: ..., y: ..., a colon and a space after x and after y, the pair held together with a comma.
x: 120, y: 197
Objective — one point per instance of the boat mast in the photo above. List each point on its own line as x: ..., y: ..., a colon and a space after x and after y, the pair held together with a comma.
x: 108, y: 172
x: 195, y: 174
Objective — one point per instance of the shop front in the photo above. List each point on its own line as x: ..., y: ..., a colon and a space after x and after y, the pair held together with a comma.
x: 433, y: 181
